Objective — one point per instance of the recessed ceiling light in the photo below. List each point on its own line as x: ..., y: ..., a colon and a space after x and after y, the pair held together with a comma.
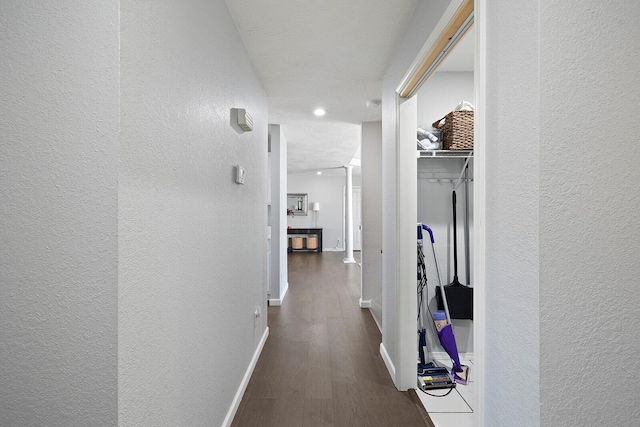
x: 320, y: 112
x: 319, y: 172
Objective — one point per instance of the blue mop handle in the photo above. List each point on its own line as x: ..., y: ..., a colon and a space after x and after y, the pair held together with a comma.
x: 445, y: 303
x: 425, y: 227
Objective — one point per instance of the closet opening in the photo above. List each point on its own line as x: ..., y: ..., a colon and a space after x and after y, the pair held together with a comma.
x: 442, y: 79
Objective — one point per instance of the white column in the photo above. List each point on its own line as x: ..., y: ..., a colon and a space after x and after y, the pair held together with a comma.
x: 348, y: 223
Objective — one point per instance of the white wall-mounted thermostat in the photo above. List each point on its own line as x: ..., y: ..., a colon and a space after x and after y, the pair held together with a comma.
x: 239, y: 174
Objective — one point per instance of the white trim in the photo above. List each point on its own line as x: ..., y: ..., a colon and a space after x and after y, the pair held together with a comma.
x: 365, y: 303
x: 344, y: 219
x: 433, y: 38
x: 278, y: 301
x: 479, y: 212
x: 245, y: 381
x: 406, y: 214
x: 332, y: 249
x: 388, y: 362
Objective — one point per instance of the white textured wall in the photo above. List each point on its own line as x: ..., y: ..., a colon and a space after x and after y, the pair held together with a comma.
x: 328, y: 191
x: 425, y: 18
x: 58, y: 221
x: 279, y: 273
x: 192, y: 253
x: 589, y: 212
x: 511, y: 384
x: 372, y: 217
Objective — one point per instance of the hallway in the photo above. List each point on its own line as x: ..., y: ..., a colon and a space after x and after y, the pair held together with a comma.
x: 321, y: 364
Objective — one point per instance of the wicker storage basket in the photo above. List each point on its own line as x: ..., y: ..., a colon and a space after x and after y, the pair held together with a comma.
x: 457, y: 130
x: 296, y: 242
x: 312, y: 242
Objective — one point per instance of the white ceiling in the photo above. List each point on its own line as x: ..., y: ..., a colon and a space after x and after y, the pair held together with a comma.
x: 330, y: 54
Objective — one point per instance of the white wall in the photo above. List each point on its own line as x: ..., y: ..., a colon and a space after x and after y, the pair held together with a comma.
x: 512, y: 355
x: 327, y: 189
x: 192, y: 247
x: 372, y: 217
x: 278, y: 215
x: 425, y: 18
x: 131, y: 265
x: 553, y: 245
x: 441, y: 93
x: 589, y: 226
x: 58, y: 222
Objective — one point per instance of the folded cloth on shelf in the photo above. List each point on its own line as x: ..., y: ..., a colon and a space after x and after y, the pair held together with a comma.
x: 427, y: 140
x: 464, y: 106
x: 431, y: 145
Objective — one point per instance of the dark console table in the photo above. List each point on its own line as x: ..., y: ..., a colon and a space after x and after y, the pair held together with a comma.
x: 304, y: 239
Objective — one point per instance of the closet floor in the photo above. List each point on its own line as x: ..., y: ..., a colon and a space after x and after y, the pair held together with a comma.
x: 450, y: 409
x: 321, y: 364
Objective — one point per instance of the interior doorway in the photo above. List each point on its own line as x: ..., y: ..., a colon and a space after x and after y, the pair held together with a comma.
x: 356, y: 226
x: 452, y: 26
x: 357, y: 218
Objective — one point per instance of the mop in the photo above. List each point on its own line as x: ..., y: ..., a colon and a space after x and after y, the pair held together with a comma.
x: 430, y: 376
x: 459, y: 372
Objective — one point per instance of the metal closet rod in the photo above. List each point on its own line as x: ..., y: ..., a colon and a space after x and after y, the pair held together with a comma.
x: 446, y: 179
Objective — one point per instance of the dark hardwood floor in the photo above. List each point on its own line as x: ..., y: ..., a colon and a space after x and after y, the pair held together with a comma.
x: 321, y: 364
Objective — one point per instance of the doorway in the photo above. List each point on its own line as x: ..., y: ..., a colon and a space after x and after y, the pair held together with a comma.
x: 406, y: 182
x: 356, y: 202
x: 357, y: 218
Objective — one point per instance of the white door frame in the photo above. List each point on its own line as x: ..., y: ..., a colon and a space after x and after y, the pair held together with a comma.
x: 405, y: 258
x: 479, y: 211
x: 406, y: 239
x: 357, y: 225
x: 344, y: 216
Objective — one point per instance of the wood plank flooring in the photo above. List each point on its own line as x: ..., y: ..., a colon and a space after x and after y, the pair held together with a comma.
x: 321, y: 364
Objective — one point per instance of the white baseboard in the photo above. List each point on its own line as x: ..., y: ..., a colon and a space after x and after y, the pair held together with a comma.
x: 245, y: 381
x: 278, y: 301
x: 332, y: 249
x: 365, y: 303
x: 388, y: 363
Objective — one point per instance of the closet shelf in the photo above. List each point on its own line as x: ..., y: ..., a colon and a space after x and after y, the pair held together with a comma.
x: 444, y: 154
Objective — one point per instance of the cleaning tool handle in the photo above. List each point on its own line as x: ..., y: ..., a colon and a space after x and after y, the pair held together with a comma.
x: 440, y: 319
x: 426, y: 227
x: 455, y: 236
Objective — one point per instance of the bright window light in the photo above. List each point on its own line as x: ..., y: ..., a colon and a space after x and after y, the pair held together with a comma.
x: 319, y: 112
